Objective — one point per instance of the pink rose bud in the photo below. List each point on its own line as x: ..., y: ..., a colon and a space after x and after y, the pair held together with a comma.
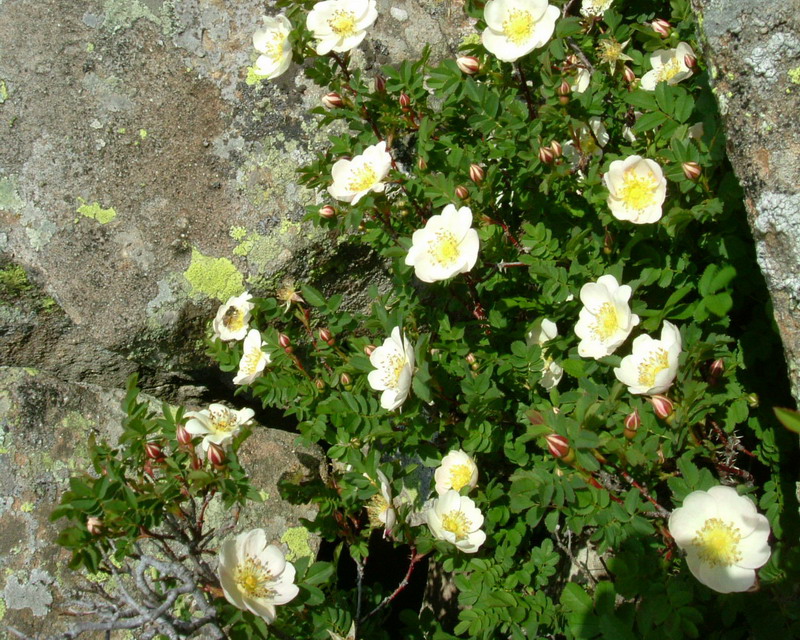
x: 546, y: 155
x: 421, y: 164
x: 476, y: 173
x: 661, y: 27
x: 380, y: 83
x: 632, y: 423
x: 327, y: 211
x: 94, y: 525
x: 691, y: 170
x: 558, y: 445
x: 332, y: 100
x: 405, y: 101
x: 462, y: 192
x: 563, y: 92
x: 369, y: 349
x: 182, y: 435
x: 326, y: 336
x: 471, y: 358
x: 468, y: 64
x: 215, y: 454
x: 345, y: 379
x: 153, y: 451
x: 690, y: 61
x: 319, y: 384
x: 663, y: 406
x: 628, y: 74
x: 716, y: 368
x: 555, y: 145
x: 285, y: 342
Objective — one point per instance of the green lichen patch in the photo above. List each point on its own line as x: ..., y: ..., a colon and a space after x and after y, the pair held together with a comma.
x: 9, y: 199
x: 121, y: 14
x: 296, y: 538
x: 3, y: 91
x: 794, y: 75
x: 96, y: 212
x: 253, y: 77
x: 213, y: 277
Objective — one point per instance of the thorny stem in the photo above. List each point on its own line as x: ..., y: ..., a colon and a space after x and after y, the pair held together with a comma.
x: 526, y: 91
x: 507, y: 231
x: 359, y: 587
x: 415, y: 558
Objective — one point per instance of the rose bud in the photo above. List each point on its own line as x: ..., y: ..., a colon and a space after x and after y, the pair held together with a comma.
x: 462, y: 192
x: 546, y: 155
x: 468, y: 64
x: 346, y: 380
x: 421, y: 164
x: 405, y: 101
x: 380, y: 83
x: 215, y: 454
x: 691, y: 170
x: 182, y: 435
x: 628, y: 74
x: 717, y: 368
x: 153, y: 451
x: 663, y: 406
x: 690, y: 61
x: 555, y: 145
x: 563, y: 92
x: 752, y: 400
x: 558, y: 445
x: 632, y: 423
x: 326, y: 336
x: 332, y: 100
x: 327, y: 211
x: 476, y: 173
x: 319, y: 384
x: 94, y: 525
x: 369, y: 349
x: 661, y: 27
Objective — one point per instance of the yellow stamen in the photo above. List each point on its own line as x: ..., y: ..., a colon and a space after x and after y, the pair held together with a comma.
x: 233, y: 320
x: 518, y: 26
x: 456, y: 522
x: 650, y: 367
x: 362, y: 178
x: 607, y: 323
x: 717, y: 543
x: 377, y: 507
x: 250, y: 361
x: 670, y: 70
x: 637, y: 191
x: 444, y: 247
x: 252, y: 577
x: 223, y: 420
x: 343, y: 23
x: 274, y: 48
x: 460, y: 475
x: 393, y: 369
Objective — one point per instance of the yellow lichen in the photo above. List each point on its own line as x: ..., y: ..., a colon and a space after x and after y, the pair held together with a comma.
x: 213, y: 277
x: 296, y: 538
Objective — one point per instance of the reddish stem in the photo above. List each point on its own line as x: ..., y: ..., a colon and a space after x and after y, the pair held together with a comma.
x: 415, y: 558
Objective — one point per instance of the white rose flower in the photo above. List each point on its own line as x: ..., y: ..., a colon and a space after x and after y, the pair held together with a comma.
x: 340, y: 25
x: 606, y: 320
x: 543, y: 331
x: 394, y: 366
x: 653, y: 365
x: 255, y: 576
x: 217, y: 424
x: 455, y: 519
x: 272, y: 42
x: 724, y: 537
x: 254, y: 359
x: 517, y: 27
x: 353, y: 179
x: 447, y: 246
x: 594, y: 8
x: 233, y: 318
x: 581, y: 82
x: 668, y: 65
x: 456, y: 471
x: 379, y: 509
x: 636, y: 189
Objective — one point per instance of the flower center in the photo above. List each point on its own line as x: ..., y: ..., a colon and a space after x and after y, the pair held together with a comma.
x: 610, y: 51
x: 444, y: 247
x: 223, y: 421
x: 718, y: 543
x: 518, y: 26
x: 362, y: 178
x: 460, y: 475
x: 607, y: 323
x: 649, y: 368
x: 343, y: 23
x: 637, y: 192
x: 456, y: 523
x: 393, y: 369
x: 252, y: 578
x: 251, y: 360
x: 274, y: 48
x: 377, y: 507
x: 670, y: 70
x: 233, y: 319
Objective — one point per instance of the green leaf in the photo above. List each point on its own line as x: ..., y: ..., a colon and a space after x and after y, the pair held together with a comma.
x: 789, y: 418
x: 312, y: 296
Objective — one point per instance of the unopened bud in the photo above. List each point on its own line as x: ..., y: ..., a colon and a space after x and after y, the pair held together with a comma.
x: 404, y: 100
x: 182, y: 435
x: 555, y: 145
x: 628, y: 74
x: 557, y: 445
x: 752, y: 400
x: 608, y: 243
x: 632, y: 423
x: 215, y: 454
x: 471, y: 358
x: 319, y: 384
x: 345, y: 379
x: 153, y: 451
x: 564, y: 88
x: 663, y: 406
x: 691, y: 170
x: 476, y: 173
x: 94, y: 525
x: 369, y: 349
x: 716, y: 369
x: 468, y: 64
x: 380, y: 83
x: 421, y: 164
x: 326, y: 336
x: 327, y: 211
x: 661, y: 27
x: 462, y: 192
x: 332, y: 100
x: 284, y: 341
x: 546, y: 155
x: 690, y: 61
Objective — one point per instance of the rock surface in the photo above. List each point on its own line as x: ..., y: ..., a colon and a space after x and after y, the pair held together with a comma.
x: 144, y: 177
x: 44, y: 425
x: 753, y: 55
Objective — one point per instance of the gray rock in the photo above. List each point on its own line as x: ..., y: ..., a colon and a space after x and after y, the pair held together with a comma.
x: 44, y: 426
x: 143, y: 180
x: 753, y: 54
